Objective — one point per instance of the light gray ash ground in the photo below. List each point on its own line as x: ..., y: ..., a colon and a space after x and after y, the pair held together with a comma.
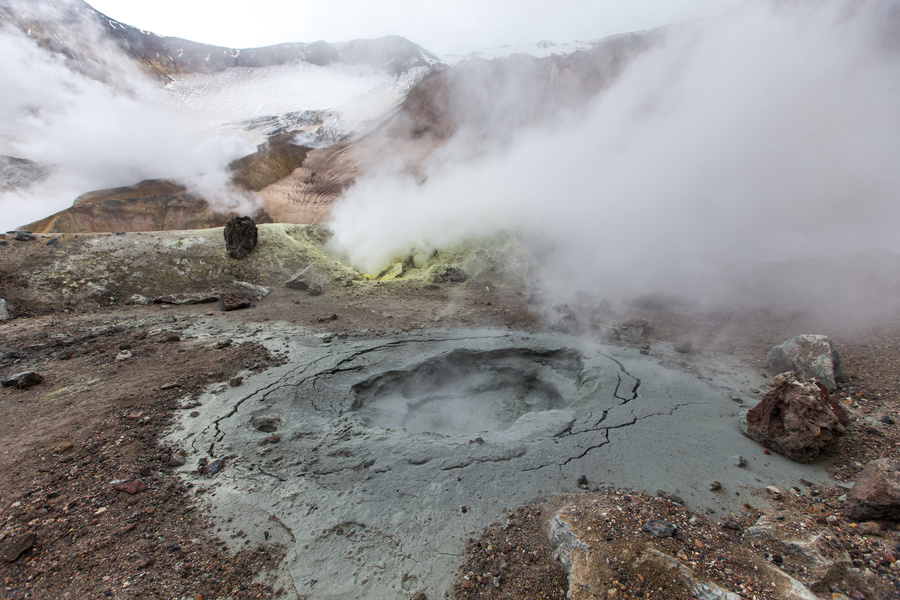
x: 395, y: 449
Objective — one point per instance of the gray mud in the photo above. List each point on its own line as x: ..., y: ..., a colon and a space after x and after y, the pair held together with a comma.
x: 394, y: 450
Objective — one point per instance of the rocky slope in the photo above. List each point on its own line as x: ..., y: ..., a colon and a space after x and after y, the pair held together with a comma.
x: 479, y: 101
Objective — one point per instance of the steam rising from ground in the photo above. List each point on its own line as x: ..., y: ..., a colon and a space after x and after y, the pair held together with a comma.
x: 98, y: 122
x: 769, y: 133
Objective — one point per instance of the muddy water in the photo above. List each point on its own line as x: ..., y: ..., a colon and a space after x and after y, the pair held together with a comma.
x: 394, y: 450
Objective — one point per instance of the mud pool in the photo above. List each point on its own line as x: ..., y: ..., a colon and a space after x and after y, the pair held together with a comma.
x: 395, y: 449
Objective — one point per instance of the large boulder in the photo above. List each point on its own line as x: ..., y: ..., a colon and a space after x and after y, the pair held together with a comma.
x: 810, y: 356
x: 876, y: 493
x: 797, y: 418
x: 241, y: 236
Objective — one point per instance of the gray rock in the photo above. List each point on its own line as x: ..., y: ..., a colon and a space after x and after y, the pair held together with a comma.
x: 661, y: 529
x: 715, y: 486
x: 4, y: 312
x: 450, y: 273
x: 186, y: 299
x: 23, y: 380
x: 308, y: 279
x: 215, y: 466
x: 810, y: 356
x: 250, y: 291
x: 241, y: 236
x: 564, y: 542
x: 24, y: 236
x: 139, y: 300
x: 739, y: 461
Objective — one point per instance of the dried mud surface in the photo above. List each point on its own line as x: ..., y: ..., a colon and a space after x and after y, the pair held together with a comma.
x: 95, y: 422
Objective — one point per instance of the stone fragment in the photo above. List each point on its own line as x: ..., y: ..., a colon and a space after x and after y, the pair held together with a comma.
x: 4, y: 311
x: 250, y: 291
x: 236, y: 381
x: 123, y: 355
x: 18, y: 546
x: 797, y: 418
x: 308, y: 279
x: 139, y: 300
x: 887, y: 420
x: 133, y: 487
x: 810, y: 356
x: 241, y: 236
x: 214, y: 466
x: 231, y: 298
x: 876, y: 493
x: 181, y: 299
x: 24, y: 236
x: 715, y: 486
x: 659, y: 528
x: 739, y: 461
x: 23, y: 380
x: 170, y: 386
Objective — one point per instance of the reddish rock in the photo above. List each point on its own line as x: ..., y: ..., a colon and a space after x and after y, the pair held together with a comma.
x: 231, y: 298
x: 797, y: 418
x: 876, y: 493
x: 132, y: 487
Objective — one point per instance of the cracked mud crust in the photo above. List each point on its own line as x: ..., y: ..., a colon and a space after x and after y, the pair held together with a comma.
x: 292, y: 510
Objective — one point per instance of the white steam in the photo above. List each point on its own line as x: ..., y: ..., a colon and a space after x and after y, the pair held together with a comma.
x: 111, y: 128
x: 768, y: 133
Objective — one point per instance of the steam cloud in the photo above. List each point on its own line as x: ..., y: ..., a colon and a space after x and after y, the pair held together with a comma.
x: 99, y: 122
x: 767, y: 133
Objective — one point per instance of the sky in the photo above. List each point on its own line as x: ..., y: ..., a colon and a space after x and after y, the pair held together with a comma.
x: 443, y: 27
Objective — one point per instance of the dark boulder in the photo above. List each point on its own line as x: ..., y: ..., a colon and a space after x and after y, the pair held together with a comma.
x: 23, y: 380
x: 797, y: 418
x: 241, y: 236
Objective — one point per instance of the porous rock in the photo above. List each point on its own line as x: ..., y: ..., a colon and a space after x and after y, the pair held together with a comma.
x: 797, y: 418
x: 23, y: 380
x: 876, y: 493
x: 810, y: 356
x: 231, y: 298
x: 241, y: 236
